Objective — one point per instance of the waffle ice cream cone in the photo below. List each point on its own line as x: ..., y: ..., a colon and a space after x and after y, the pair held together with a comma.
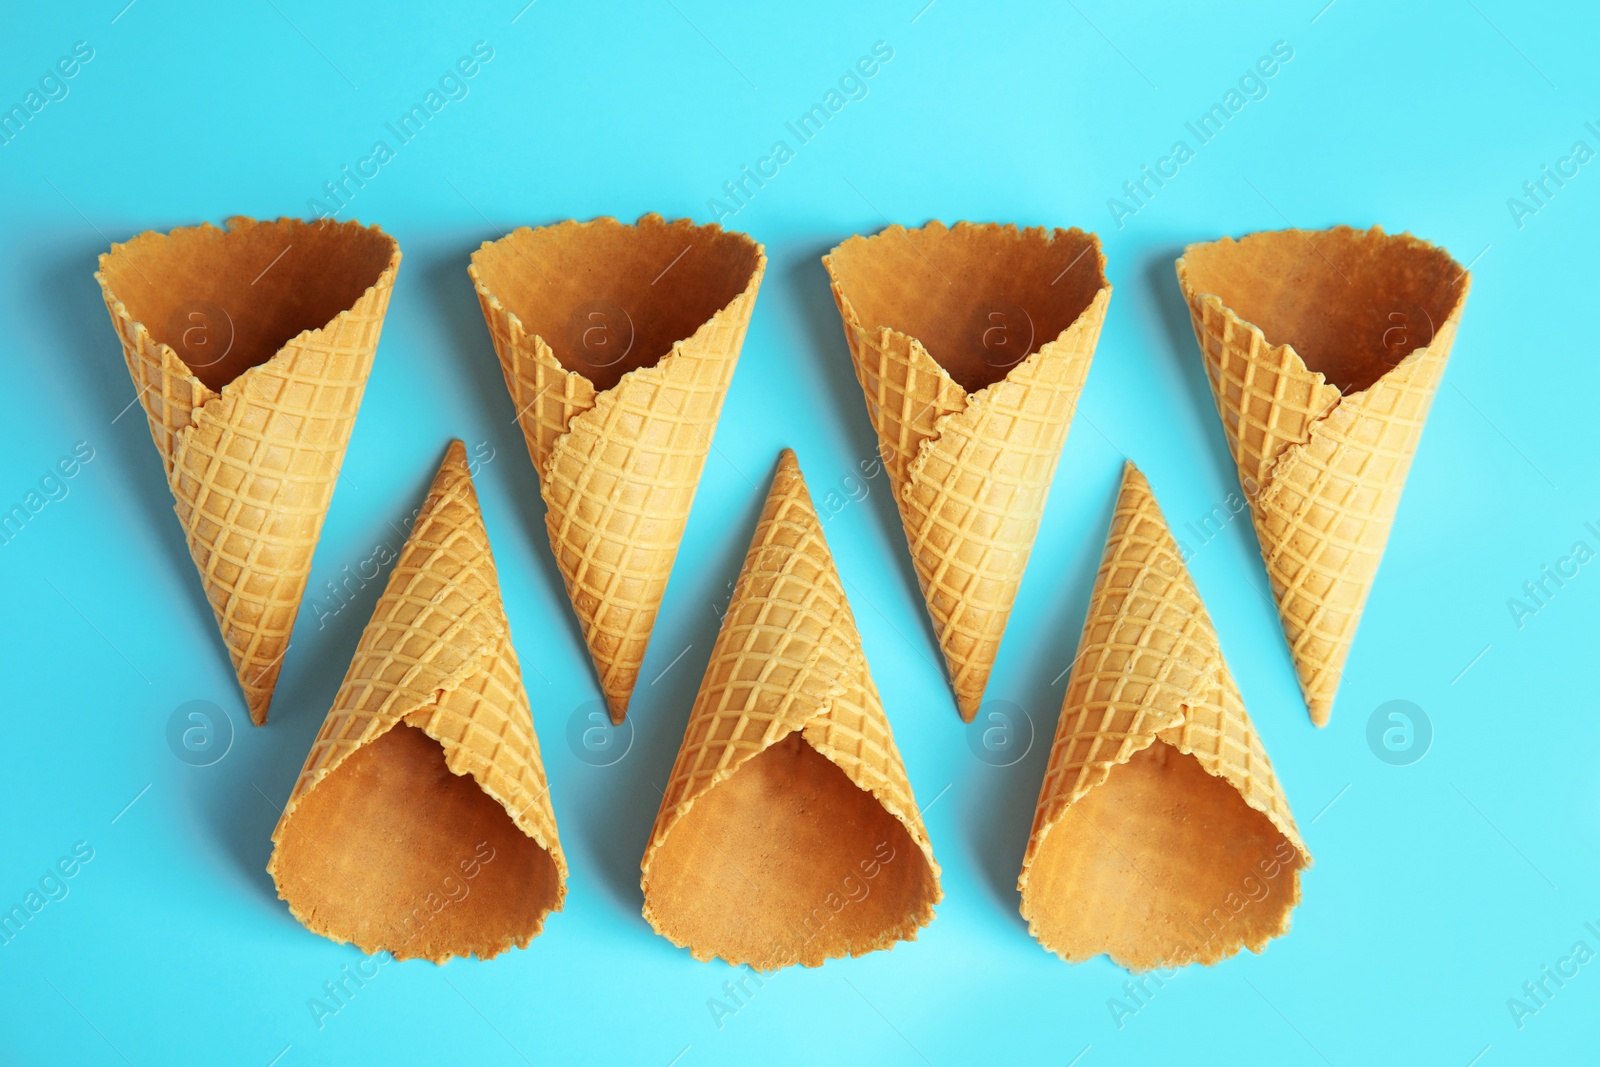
x: 421, y: 823
x: 972, y: 344
x: 787, y: 832
x: 1324, y: 350
x: 1162, y: 836
x: 250, y: 348
x: 618, y: 343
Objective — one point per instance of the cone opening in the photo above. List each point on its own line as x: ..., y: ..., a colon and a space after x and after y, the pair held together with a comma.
x: 1161, y: 865
x: 980, y: 299
x: 609, y: 298
x: 227, y: 300
x: 393, y: 851
x: 788, y: 861
x: 1352, y: 303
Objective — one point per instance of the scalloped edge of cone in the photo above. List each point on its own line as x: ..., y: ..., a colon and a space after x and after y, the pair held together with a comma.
x: 788, y: 832
x: 580, y: 366
x: 421, y: 823
x: 1331, y: 370
x: 169, y: 296
x: 1161, y: 836
x: 963, y: 372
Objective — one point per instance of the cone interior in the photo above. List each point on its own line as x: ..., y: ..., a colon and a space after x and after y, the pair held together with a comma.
x: 1352, y: 303
x: 389, y: 852
x: 980, y: 299
x: 786, y: 861
x: 609, y: 298
x: 227, y: 300
x: 1162, y: 865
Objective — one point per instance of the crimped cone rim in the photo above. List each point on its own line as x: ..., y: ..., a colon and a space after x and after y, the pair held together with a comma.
x: 385, y: 279
x: 1394, y: 243
x: 482, y: 286
x: 1005, y: 230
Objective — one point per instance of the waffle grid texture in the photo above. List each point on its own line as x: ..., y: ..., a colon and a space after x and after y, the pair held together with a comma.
x: 970, y: 472
x: 788, y: 658
x: 618, y: 468
x: 1323, y: 471
x: 252, y: 467
x: 1150, y: 668
x: 437, y: 655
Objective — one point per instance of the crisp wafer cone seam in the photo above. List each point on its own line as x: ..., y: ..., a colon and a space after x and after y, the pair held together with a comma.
x: 618, y: 465
x: 252, y: 444
x: 1323, y: 456
x: 788, y: 832
x: 435, y: 663
x: 971, y: 460
x: 1161, y: 835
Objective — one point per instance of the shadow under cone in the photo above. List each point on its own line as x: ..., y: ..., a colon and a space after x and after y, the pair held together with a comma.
x: 788, y: 832
x: 250, y: 348
x: 618, y: 343
x: 421, y: 823
x: 971, y: 344
x: 1161, y: 837
x: 1324, y: 350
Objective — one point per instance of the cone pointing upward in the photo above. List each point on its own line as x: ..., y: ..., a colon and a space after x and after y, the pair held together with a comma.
x: 421, y: 822
x: 1324, y: 350
x: 618, y: 343
x: 250, y: 348
x: 972, y: 345
x: 1161, y: 836
x: 788, y: 832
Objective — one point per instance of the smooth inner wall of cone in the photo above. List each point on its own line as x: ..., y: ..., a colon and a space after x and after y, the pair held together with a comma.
x: 1352, y: 303
x: 393, y: 851
x: 609, y: 298
x: 980, y: 299
x: 1162, y: 865
x: 227, y: 300
x: 788, y: 861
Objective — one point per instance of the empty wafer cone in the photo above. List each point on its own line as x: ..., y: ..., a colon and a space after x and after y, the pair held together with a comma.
x: 1161, y: 837
x: 788, y: 832
x: 618, y: 343
x: 972, y: 344
x: 250, y: 348
x: 1324, y: 350
x: 421, y: 823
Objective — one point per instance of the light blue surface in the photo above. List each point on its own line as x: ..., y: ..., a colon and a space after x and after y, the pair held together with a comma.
x: 1439, y: 888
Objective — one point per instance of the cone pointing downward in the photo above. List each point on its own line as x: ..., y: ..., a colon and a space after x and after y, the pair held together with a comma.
x: 618, y: 343
x: 972, y: 345
x: 421, y: 823
x: 788, y: 832
x: 1324, y: 350
x: 1161, y: 836
x: 250, y: 348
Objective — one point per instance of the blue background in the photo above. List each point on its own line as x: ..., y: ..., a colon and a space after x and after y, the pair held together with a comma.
x: 1439, y: 887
